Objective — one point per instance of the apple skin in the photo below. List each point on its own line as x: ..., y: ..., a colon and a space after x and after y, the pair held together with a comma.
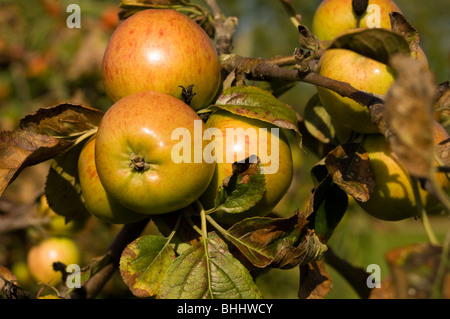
x: 362, y: 73
x: 97, y: 201
x: 141, y: 125
x: 333, y: 17
x: 393, y: 196
x: 277, y: 184
x: 161, y: 50
x: 41, y: 257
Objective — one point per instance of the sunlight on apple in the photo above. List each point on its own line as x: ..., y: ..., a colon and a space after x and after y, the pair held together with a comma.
x: 154, y: 56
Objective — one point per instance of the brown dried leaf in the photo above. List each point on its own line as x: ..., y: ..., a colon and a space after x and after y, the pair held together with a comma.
x: 409, y: 115
x: 401, y: 25
x: 42, y: 136
x: 349, y: 166
x: 22, y: 148
x: 315, y: 283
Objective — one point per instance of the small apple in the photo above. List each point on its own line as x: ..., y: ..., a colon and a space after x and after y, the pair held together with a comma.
x: 161, y: 50
x: 393, y: 196
x: 41, y: 257
x: 333, y: 17
x: 277, y: 183
x: 97, y: 201
x: 138, y: 156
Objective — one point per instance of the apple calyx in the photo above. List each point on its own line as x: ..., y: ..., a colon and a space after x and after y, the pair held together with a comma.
x: 138, y: 163
x: 187, y: 94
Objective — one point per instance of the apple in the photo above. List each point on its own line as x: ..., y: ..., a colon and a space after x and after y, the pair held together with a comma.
x: 393, y: 196
x: 97, y: 201
x: 161, y: 50
x: 333, y: 17
x: 138, y: 156
x: 277, y: 183
x: 41, y: 257
x: 362, y: 73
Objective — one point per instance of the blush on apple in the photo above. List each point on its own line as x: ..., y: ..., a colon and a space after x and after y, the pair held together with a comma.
x: 161, y: 50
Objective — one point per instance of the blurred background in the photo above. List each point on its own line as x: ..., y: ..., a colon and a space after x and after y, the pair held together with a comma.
x: 43, y: 63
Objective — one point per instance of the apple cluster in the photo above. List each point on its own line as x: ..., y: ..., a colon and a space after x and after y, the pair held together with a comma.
x: 159, y: 69
x: 393, y: 197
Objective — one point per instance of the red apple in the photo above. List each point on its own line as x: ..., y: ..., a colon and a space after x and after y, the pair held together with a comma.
x: 274, y: 152
x: 148, y: 153
x: 161, y: 50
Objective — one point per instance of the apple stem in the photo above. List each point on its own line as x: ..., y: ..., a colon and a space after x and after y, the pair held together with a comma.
x: 423, y: 213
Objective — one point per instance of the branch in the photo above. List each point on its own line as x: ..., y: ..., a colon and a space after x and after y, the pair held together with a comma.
x: 265, y: 70
x: 224, y: 26
x: 95, y: 284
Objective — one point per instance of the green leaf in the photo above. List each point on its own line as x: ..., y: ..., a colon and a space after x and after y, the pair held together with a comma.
x: 326, y: 207
x: 208, y: 271
x: 62, y: 187
x: 376, y: 43
x: 242, y: 190
x: 143, y: 264
x: 258, y: 104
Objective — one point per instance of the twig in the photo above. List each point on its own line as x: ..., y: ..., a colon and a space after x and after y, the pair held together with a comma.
x: 224, y: 26
x: 95, y: 284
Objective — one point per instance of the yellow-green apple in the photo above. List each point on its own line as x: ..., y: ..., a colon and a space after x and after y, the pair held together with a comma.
x: 393, y: 197
x: 248, y: 137
x: 41, y: 257
x: 148, y: 153
x: 97, y: 201
x: 333, y: 17
x: 161, y: 50
x: 362, y: 73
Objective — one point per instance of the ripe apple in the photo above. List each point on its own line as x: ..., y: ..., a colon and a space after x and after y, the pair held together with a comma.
x: 333, y: 17
x: 137, y: 154
x: 97, y: 201
x: 277, y: 183
x: 161, y: 50
x: 41, y: 257
x: 393, y: 197
x: 362, y: 73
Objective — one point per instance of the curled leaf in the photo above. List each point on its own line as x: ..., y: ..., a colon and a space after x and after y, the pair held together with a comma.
x: 349, y: 166
x: 409, y: 114
x: 243, y: 189
x: 376, y: 43
x: 42, y: 136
